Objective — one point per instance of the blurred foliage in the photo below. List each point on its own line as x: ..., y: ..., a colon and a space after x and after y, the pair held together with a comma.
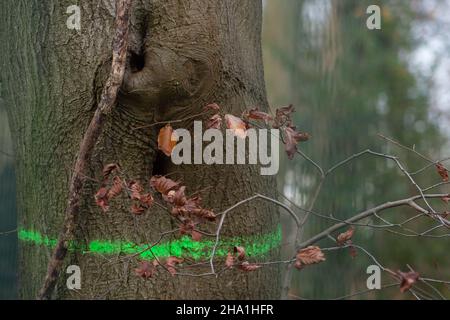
x: 8, y: 242
x: 348, y: 84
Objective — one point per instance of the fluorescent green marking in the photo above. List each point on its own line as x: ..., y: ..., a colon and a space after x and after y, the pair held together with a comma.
x: 183, y: 247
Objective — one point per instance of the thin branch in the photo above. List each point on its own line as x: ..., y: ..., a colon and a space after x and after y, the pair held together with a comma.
x: 95, y: 128
x: 3, y: 233
x: 6, y: 154
x: 169, y: 121
x: 240, y: 203
x: 365, y: 214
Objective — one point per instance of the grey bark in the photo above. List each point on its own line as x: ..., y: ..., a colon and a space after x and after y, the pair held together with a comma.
x: 183, y: 55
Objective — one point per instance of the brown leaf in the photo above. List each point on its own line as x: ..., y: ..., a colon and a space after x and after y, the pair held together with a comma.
x: 136, y: 190
x: 171, y: 263
x: 353, y: 251
x: 187, y: 206
x: 195, y: 235
x: 186, y: 227
x: 205, y: 214
x: 116, y: 188
x: 291, y: 138
x: 167, y: 139
x: 442, y: 172
x: 346, y: 236
x: 247, y: 267
x: 163, y: 185
x: 108, y: 169
x: 308, y: 256
x: 283, y: 116
x: 256, y: 114
x: 215, y: 122
x: 229, y: 261
x: 147, y: 200
x: 212, y: 106
x: 445, y: 214
x: 177, y: 197
x: 240, y: 252
x: 407, y: 279
x: 446, y: 199
x: 137, y: 209
x: 236, y: 124
x: 145, y: 270
x: 101, y: 198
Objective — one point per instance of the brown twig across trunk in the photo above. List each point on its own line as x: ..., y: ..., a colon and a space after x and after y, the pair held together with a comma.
x: 107, y: 101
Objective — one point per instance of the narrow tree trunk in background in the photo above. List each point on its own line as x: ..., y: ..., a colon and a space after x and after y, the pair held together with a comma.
x: 183, y: 55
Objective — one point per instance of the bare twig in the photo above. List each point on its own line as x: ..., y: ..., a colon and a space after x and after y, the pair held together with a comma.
x: 240, y: 203
x: 107, y: 101
x: 6, y: 154
x: 367, y: 213
x: 3, y: 233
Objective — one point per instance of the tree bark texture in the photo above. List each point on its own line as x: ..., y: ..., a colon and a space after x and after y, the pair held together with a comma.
x: 183, y: 54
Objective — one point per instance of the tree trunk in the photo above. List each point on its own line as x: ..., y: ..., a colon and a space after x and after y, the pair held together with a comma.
x: 183, y: 54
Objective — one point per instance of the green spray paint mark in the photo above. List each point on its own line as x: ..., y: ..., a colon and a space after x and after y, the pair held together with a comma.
x: 184, y: 247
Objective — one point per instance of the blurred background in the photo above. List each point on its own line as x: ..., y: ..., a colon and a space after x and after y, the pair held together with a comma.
x: 348, y: 84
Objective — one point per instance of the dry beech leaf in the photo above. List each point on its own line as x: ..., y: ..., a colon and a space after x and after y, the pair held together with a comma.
x: 229, y: 261
x: 283, y: 116
x: 116, y: 188
x: 246, y: 266
x: 308, y: 256
x: 291, y: 139
x: 346, y: 236
x: 171, y: 263
x: 108, y: 169
x: 146, y: 199
x: 240, y: 252
x: 101, y: 198
x: 137, y: 209
x: 442, y: 172
x: 163, y: 185
x: 167, y: 139
x: 215, y: 122
x: 136, y: 190
x: 353, y: 251
x: 211, y: 106
x: 205, y: 214
x: 195, y: 235
x: 407, y: 279
x: 445, y: 214
x: 256, y: 114
x: 236, y: 124
x: 145, y: 270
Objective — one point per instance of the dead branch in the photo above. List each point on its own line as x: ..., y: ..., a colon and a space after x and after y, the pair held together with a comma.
x: 95, y: 128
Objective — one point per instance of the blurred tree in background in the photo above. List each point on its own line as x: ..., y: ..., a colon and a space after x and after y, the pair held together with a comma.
x: 348, y: 84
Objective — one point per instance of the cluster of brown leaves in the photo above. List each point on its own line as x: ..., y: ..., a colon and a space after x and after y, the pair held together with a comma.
x: 188, y: 210
x: 442, y: 171
x: 147, y: 270
x: 108, y: 189
x: 141, y: 201
x: 237, y: 258
x: 167, y: 138
x: 308, y: 256
x: 346, y: 239
x: 407, y: 279
x: 282, y: 121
